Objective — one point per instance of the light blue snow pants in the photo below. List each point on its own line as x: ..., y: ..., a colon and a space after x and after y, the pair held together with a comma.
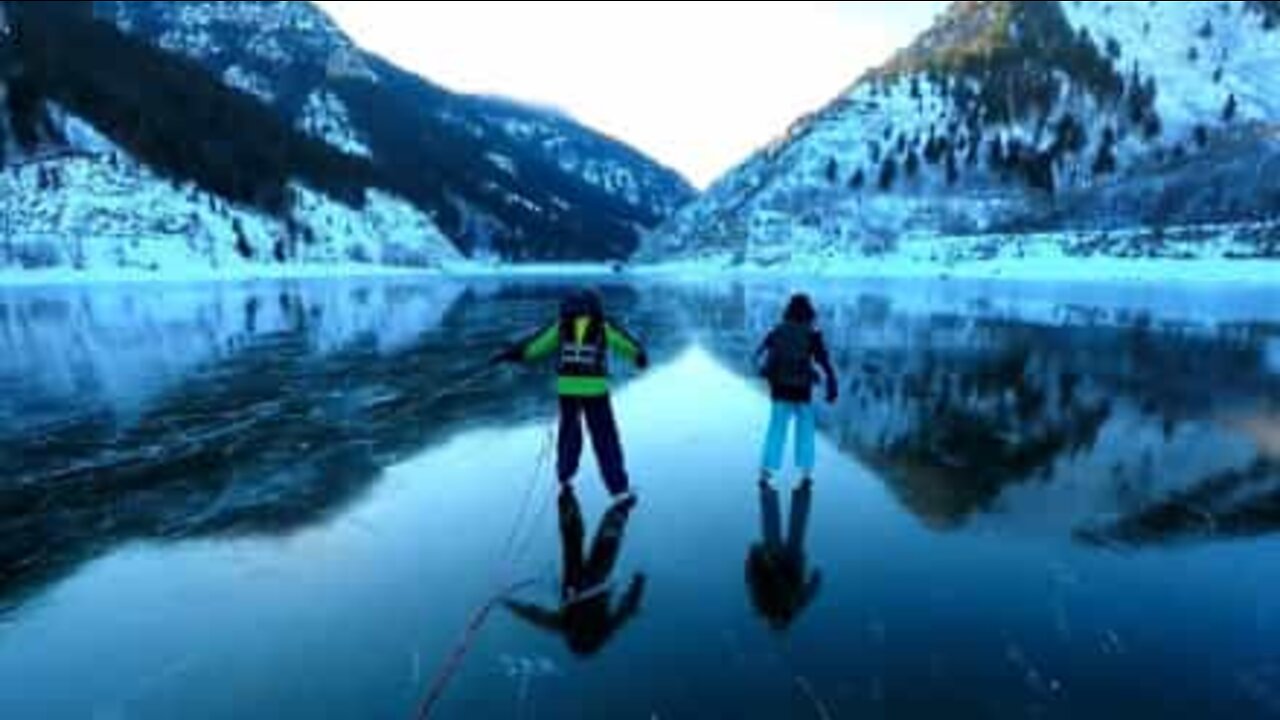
x: 776, y: 441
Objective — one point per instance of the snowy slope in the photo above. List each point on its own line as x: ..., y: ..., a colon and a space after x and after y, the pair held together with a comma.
x: 90, y: 207
x: 75, y: 200
x: 602, y: 163
x: 325, y: 116
x: 547, y: 187
x: 1015, y: 116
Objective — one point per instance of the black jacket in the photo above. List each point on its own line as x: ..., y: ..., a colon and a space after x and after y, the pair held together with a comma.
x: 818, y: 355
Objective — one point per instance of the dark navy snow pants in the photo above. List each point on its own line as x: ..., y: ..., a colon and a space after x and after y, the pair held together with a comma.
x: 598, y: 413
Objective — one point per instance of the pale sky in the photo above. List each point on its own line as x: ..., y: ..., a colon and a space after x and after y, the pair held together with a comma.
x: 696, y: 85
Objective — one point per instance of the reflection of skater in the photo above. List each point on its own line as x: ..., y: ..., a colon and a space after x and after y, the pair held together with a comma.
x: 777, y: 574
x: 587, y: 619
x: 790, y: 352
x: 581, y: 339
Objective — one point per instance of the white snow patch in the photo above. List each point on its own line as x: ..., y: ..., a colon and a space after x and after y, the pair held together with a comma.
x: 817, y: 192
x: 1162, y: 38
x: 250, y: 82
x: 387, y: 231
x: 502, y: 162
x: 80, y: 135
x: 193, y: 43
x: 193, y: 273
x: 1046, y: 268
x: 347, y: 63
x: 95, y: 212
x: 497, y: 269
x: 105, y: 216
x: 1212, y: 255
x: 267, y: 47
x: 325, y: 117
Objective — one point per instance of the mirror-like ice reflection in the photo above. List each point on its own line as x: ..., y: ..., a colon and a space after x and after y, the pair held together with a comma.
x: 288, y: 500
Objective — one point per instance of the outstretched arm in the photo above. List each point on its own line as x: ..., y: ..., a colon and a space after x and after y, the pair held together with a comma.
x: 535, y: 347
x: 623, y: 343
x: 543, y: 345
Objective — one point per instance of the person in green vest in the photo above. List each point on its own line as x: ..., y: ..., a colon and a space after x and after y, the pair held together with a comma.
x: 581, y: 341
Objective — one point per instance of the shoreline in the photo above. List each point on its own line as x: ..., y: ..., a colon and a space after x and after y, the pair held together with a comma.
x: 1106, y: 271
x: 23, y: 279
x: 1109, y: 271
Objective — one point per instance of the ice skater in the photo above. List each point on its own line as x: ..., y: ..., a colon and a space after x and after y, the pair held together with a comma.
x: 581, y: 339
x: 790, y: 353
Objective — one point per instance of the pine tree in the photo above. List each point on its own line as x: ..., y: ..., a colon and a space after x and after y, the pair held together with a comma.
x: 1201, y: 136
x: 1152, y: 127
x: 933, y: 150
x: 243, y: 248
x: 997, y: 156
x: 1105, y: 163
x: 888, y: 174
x: 1037, y: 170
x: 1114, y: 51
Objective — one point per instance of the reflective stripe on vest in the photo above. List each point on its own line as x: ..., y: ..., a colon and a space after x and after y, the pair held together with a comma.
x: 582, y: 349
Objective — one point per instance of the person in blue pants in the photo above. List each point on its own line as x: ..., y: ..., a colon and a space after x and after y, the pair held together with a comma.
x: 791, y: 353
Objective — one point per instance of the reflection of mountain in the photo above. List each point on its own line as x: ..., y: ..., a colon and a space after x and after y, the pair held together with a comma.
x: 1046, y: 429
x: 1236, y: 504
x: 111, y: 351
x: 288, y: 407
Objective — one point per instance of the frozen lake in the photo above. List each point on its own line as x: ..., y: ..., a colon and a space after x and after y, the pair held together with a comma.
x: 289, y: 499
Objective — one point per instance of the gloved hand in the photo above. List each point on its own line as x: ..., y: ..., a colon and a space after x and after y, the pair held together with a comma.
x: 833, y: 393
x: 642, y: 361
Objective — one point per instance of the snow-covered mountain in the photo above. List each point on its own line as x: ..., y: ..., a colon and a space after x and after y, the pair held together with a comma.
x: 101, y: 172
x: 1013, y: 117
x: 500, y: 178
x: 95, y: 207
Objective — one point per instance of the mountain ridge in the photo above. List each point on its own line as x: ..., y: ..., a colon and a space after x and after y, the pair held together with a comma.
x: 457, y: 157
x: 1011, y: 117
